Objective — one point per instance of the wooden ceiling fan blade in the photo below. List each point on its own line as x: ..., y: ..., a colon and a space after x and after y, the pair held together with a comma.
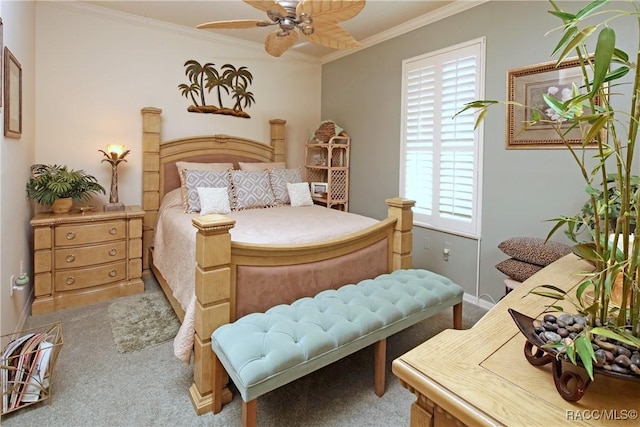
x: 238, y: 23
x: 331, y: 10
x: 332, y: 35
x: 276, y: 45
x: 266, y: 5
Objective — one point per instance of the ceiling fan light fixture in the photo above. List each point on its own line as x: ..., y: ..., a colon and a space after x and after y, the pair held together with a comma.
x: 274, y: 15
x: 305, y: 19
x: 306, y: 29
x: 296, y: 17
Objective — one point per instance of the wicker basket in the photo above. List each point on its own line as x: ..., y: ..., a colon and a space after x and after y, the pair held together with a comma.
x: 325, y: 131
x: 26, y: 365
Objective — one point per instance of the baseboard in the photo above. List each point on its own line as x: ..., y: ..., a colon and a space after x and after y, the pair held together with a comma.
x: 25, y: 312
x: 472, y: 299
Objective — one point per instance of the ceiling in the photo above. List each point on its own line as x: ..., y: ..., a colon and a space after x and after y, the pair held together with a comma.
x: 377, y: 19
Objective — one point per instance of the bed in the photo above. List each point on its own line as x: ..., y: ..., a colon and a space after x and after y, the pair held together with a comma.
x: 234, y: 276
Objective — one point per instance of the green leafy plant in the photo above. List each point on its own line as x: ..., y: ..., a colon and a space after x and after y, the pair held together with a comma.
x: 615, y: 241
x: 580, y: 227
x: 51, y: 182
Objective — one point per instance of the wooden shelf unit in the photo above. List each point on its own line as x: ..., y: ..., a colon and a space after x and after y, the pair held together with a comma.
x: 84, y: 258
x: 329, y: 163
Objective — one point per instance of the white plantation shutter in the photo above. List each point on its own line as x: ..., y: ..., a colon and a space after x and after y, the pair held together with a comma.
x: 440, y: 155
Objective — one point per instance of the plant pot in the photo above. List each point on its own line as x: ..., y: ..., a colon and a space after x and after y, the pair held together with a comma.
x: 62, y: 205
x: 570, y: 385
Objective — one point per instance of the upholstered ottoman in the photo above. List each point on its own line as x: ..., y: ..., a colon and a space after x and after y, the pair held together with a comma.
x: 263, y: 351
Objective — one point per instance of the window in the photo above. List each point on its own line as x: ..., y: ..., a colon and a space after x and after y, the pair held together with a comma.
x: 441, y: 155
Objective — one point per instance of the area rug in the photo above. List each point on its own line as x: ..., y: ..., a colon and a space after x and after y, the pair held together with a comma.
x: 142, y: 321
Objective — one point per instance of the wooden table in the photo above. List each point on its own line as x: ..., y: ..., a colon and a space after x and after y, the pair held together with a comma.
x: 481, y: 377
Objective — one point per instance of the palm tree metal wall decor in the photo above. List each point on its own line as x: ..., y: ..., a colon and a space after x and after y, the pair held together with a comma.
x: 231, y: 80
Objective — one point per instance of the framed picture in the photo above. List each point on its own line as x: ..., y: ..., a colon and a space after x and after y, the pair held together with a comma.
x: 1, y: 44
x: 12, y: 96
x: 527, y: 86
x: 318, y: 188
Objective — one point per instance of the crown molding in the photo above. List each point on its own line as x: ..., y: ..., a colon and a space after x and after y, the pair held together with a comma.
x: 418, y: 22
x: 115, y: 15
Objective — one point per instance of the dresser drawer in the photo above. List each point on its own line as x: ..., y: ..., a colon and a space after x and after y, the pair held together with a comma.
x: 90, y: 255
x: 80, y: 234
x: 67, y: 280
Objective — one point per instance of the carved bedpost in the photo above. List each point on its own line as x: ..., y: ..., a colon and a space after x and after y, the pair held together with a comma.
x: 278, y: 140
x: 213, y: 304
x: 400, y: 209
x: 150, y: 177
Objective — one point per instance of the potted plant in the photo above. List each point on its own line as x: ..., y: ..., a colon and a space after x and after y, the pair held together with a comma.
x: 614, y: 246
x: 54, y: 185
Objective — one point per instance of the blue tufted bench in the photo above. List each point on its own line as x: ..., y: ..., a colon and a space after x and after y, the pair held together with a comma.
x: 263, y: 351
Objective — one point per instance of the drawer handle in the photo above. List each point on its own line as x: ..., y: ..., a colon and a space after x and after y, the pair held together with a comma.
x: 113, y: 252
x: 113, y: 273
x: 71, y: 258
x: 71, y: 235
x: 70, y: 280
x: 113, y: 231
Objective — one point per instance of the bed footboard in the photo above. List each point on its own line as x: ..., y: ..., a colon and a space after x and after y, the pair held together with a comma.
x: 217, y: 265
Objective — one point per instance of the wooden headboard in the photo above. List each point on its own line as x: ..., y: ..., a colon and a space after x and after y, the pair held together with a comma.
x: 160, y: 174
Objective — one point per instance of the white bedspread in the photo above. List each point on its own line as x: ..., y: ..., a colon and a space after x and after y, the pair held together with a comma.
x: 174, y: 245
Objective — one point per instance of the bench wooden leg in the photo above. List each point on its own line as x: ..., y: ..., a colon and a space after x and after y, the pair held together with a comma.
x: 380, y: 357
x: 218, y: 375
x: 249, y: 413
x: 457, y: 316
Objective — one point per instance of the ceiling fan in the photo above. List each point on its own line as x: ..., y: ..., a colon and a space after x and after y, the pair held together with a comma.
x: 316, y: 20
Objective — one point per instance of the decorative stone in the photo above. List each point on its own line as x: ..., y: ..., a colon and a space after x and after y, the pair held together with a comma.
x: 606, y: 345
x: 552, y: 337
x: 623, y: 361
x: 610, y: 355
x: 619, y: 369
x: 623, y: 351
x: 566, y: 318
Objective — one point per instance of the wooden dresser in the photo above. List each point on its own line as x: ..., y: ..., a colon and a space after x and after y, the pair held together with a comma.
x: 480, y: 377
x: 84, y: 258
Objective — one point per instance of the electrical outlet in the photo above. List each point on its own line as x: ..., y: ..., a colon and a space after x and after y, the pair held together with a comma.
x: 446, y: 251
x: 426, y: 243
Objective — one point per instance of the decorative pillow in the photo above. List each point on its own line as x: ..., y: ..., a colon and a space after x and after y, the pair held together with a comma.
x: 279, y: 179
x: 534, y: 250
x: 252, y: 189
x: 212, y: 179
x: 518, y: 270
x: 214, y: 200
x: 248, y: 166
x: 200, y: 167
x: 299, y: 194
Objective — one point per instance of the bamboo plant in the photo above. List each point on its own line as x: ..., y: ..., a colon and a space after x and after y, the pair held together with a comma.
x: 614, y: 246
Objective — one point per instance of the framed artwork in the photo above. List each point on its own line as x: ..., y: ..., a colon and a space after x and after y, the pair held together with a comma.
x: 1, y: 44
x: 318, y: 188
x: 527, y: 86
x: 12, y: 95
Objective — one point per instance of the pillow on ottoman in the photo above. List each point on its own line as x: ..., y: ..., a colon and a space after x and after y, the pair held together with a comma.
x: 533, y: 250
x: 518, y: 270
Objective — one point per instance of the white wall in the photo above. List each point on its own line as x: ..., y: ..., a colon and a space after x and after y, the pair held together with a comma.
x: 16, y: 156
x: 87, y: 72
x: 98, y: 68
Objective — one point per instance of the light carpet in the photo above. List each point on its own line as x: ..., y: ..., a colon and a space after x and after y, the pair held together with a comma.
x: 96, y: 386
x: 142, y: 321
